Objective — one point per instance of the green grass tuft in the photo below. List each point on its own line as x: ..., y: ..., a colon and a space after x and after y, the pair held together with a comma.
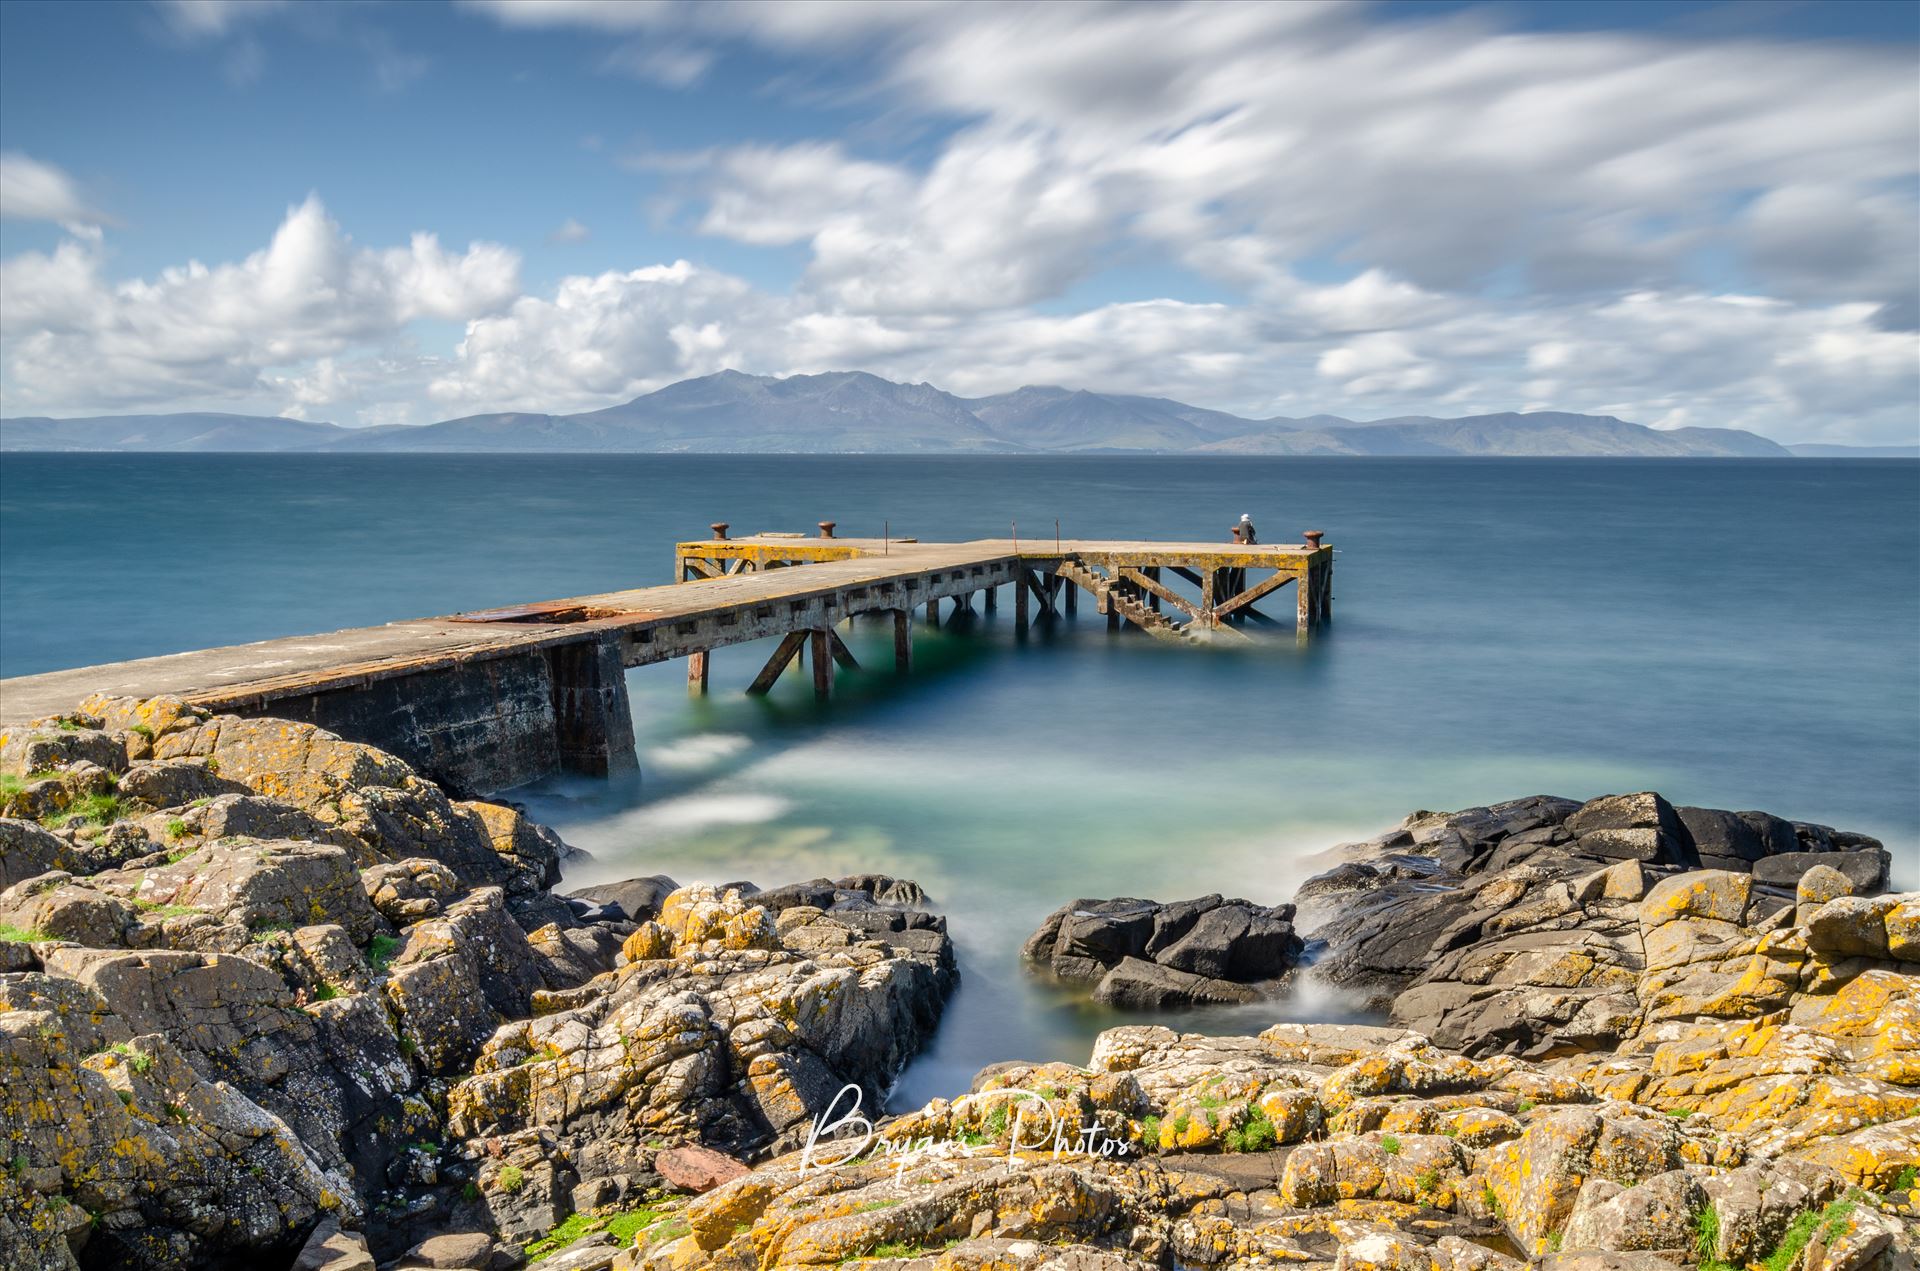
x: 1390, y: 1145
x: 1798, y: 1235
x: 90, y: 809
x: 20, y: 935
x: 511, y: 1179
x: 140, y: 1063
x: 381, y: 950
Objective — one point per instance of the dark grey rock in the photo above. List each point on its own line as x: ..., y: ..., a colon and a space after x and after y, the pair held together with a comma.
x: 638, y: 898
x: 1721, y: 835
x: 1641, y: 826
x: 1138, y: 984
x: 1865, y: 868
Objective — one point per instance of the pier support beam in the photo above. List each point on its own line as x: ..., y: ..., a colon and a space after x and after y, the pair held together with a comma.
x: 697, y: 672
x: 1020, y: 609
x: 933, y: 613
x: 822, y: 663
x: 592, y: 720
x: 790, y: 647
x: 993, y: 598
x: 903, y: 640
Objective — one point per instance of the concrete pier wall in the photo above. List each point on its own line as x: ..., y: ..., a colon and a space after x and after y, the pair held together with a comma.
x: 488, y: 724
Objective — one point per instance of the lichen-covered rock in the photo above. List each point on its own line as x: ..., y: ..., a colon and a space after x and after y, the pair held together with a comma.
x: 727, y: 1040
x: 57, y: 906
x: 1659, y: 1213
x: 259, y: 886
x: 107, y: 1120
x: 407, y: 891
x: 1537, y: 1177
x: 27, y: 851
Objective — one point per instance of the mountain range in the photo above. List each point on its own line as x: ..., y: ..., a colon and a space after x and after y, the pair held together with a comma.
x: 854, y: 412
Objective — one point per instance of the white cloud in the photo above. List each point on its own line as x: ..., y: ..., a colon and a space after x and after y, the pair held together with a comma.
x: 195, y: 332
x: 570, y: 231
x: 34, y: 191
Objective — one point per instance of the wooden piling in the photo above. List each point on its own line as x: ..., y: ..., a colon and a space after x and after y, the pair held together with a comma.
x: 697, y: 672
x: 903, y: 640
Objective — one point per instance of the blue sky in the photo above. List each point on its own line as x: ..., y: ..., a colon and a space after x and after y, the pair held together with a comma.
x: 1680, y: 213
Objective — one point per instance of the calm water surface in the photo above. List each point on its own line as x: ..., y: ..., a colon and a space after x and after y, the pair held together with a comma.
x: 1737, y: 634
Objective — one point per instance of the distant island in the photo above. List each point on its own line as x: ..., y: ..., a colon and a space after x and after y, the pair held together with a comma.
x: 852, y: 412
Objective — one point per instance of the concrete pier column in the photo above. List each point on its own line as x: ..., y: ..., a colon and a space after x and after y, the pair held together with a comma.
x: 822, y: 663
x: 933, y: 612
x: 993, y: 598
x: 592, y: 719
x: 1020, y: 598
x: 903, y: 640
x: 697, y: 671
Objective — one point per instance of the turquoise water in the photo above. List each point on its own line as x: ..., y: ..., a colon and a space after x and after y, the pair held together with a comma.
x: 1737, y: 634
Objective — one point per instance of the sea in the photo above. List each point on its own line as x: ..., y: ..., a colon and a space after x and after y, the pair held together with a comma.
x: 1737, y: 633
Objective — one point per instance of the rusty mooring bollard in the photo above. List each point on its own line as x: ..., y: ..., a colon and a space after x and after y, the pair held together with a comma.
x: 1313, y: 538
x: 719, y: 529
x: 826, y: 528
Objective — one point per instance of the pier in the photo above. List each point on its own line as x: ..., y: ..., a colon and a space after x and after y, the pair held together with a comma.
x: 492, y: 699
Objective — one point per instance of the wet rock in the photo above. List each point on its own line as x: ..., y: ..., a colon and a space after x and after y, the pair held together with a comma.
x: 1723, y: 840
x: 1136, y: 984
x: 1144, y: 953
x: 638, y: 898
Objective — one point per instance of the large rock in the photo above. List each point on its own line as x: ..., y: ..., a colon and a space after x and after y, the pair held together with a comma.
x: 1657, y: 1214
x: 1538, y: 1176
x: 736, y: 1032
x: 26, y: 851
x: 261, y: 886
x: 117, y: 1126
x: 1144, y: 953
x: 638, y: 898
x: 1866, y: 868
x: 1640, y: 826
x: 1136, y: 984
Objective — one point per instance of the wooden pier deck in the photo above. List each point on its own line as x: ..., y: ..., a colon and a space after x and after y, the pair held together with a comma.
x: 492, y: 699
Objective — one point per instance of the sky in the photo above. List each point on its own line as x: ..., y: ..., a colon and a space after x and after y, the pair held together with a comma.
x: 1682, y: 214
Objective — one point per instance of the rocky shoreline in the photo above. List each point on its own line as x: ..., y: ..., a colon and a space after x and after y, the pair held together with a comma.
x: 271, y: 999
